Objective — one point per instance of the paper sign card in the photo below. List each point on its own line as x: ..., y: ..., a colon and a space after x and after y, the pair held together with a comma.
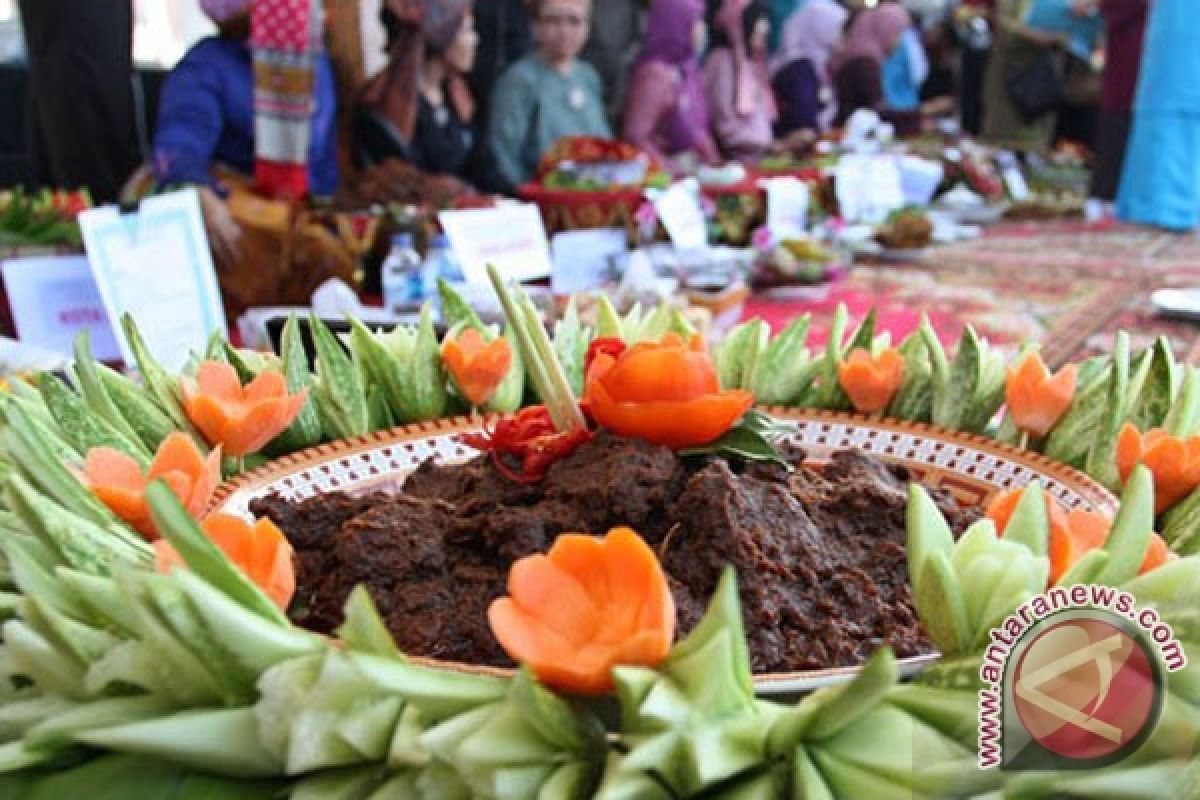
x: 787, y: 206
x: 511, y: 236
x: 582, y: 259
x: 679, y: 210
x: 155, y: 264
x: 919, y: 178
x: 52, y: 299
x: 868, y: 188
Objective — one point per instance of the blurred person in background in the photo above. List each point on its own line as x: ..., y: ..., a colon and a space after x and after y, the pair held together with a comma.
x: 781, y: 11
x: 666, y: 110
x: 1026, y: 75
x: 973, y: 30
x: 505, y: 36
x: 1124, y: 29
x: 904, y: 72
x: 547, y: 95
x: 1160, y: 180
x: 82, y: 131
x: 801, y: 76
x: 612, y: 46
x: 207, y: 122
x: 875, y: 36
x: 740, y: 100
x: 419, y: 108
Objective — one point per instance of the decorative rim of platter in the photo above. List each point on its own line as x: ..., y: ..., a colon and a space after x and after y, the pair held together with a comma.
x: 971, y: 467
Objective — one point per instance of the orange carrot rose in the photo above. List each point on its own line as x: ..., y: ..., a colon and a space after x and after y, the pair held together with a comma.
x: 1036, y: 400
x: 871, y: 381
x: 664, y: 392
x: 118, y: 482
x: 1072, y: 534
x: 1175, y: 462
x: 260, y: 551
x: 585, y: 607
x: 477, y: 366
x: 240, y: 419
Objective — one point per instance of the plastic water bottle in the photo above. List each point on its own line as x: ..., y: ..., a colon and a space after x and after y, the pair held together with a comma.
x: 441, y: 263
x: 401, y: 274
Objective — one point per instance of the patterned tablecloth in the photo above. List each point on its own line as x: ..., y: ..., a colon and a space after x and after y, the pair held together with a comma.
x: 1070, y: 286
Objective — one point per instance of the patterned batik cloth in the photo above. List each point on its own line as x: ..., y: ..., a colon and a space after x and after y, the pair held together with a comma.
x: 286, y: 40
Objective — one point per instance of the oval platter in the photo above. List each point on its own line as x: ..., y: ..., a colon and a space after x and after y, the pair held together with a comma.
x: 972, y: 468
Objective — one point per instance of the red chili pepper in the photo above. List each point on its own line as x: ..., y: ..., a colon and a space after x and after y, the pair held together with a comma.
x: 530, y: 435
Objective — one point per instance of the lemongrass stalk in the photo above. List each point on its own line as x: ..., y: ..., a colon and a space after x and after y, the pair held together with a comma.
x: 538, y: 355
x: 536, y: 367
x: 560, y: 387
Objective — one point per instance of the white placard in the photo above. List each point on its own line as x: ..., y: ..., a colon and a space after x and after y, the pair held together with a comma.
x: 511, y: 236
x: 919, y: 178
x: 582, y: 259
x: 155, y: 264
x: 52, y: 299
x: 868, y: 188
x: 787, y: 206
x: 679, y: 210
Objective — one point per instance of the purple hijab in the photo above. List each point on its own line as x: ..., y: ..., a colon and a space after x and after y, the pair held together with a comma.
x: 668, y: 41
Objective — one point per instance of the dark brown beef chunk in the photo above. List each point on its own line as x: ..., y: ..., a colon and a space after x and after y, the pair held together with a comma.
x: 757, y: 526
x: 393, y: 542
x: 312, y: 528
x: 476, y: 484
x: 764, y: 531
x: 819, y: 552
x: 313, y: 524
x: 613, y: 480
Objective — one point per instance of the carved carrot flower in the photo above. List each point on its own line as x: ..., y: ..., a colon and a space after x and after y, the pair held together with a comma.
x: 1173, y: 460
x: 242, y: 419
x: 477, y: 366
x: 118, y: 481
x: 871, y: 381
x: 585, y: 607
x: 664, y: 392
x: 1036, y: 400
x: 261, y: 551
x: 1073, y: 534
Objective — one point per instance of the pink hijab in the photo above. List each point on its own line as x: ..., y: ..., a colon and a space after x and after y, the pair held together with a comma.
x: 874, y: 34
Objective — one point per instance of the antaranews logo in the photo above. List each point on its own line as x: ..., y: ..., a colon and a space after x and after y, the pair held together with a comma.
x: 1073, y: 679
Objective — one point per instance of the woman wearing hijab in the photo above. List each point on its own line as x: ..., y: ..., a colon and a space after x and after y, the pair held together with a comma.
x: 905, y: 72
x: 1160, y: 182
x: 666, y: 111
x: 419, y: 108
x: 781, y: 11
x: 1033, y: 39
x: 1124, y: 28
x: 207, y: 116
x: 740, y: 100
x: 874, y: 36
x: 801, y: 79
x: 547, y: 95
